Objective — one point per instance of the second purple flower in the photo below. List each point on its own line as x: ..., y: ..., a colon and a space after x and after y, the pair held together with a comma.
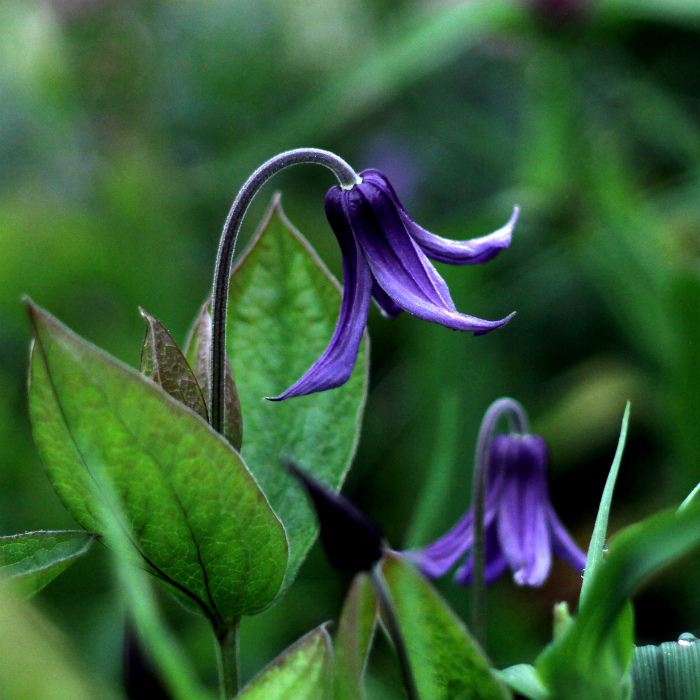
x: 386, y: 256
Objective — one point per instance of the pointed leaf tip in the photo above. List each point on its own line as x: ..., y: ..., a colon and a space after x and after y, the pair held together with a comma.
x: 163, y: 362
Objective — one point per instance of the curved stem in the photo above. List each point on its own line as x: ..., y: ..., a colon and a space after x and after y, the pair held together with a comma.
x: 217, y: 363
x: 386, y: 608
x: 517, y: 419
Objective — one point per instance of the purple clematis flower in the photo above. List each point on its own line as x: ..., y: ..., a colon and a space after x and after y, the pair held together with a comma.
x: 385, y: 256
x: 520, y: 526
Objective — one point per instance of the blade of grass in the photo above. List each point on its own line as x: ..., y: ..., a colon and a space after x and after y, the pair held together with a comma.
x: 596, y: 549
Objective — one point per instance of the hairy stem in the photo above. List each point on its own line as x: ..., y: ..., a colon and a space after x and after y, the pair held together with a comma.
x: 386, y: 608
x: 517, y: 419
x: 347, y: 178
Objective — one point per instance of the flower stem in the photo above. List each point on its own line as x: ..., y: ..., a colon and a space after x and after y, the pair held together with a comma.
x: 388, y: 613
x: 227, y: 661
x: 217, y: 365
x: 517, y: 419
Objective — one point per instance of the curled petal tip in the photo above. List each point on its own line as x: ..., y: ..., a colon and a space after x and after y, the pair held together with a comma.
x: 494, y: 325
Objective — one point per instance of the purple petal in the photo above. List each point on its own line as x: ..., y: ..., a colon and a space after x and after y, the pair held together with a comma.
x: 495, y: 565
x: 476, y: 250
x: 335, y: 366
x: 377, y: 224
x: 398, y: 264
x: 385, y: 303
x: 536, y: 542
x: 522, y: 523
x: 438, y: 558
x: 562, y: 544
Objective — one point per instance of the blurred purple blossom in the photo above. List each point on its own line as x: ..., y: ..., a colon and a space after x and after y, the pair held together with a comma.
x: 522, y: 531
x: 385, y: 256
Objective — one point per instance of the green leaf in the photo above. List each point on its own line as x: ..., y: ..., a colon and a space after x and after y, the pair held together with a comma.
x: 591, y: 658
x: 302, y: 672
x: 596, y: 549
x: 202, y: 525
x: 283, y: 309
x: 447, y: 663
x: 354, y: 639
x: 670, y: 670
x: 162, y: 362
x: 523, y: 679
x: 32, y: 560
x: 197, y: 350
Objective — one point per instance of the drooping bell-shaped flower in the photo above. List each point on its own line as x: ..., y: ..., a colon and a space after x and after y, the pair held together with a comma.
x: 522, y: 530
x: 386, y: 256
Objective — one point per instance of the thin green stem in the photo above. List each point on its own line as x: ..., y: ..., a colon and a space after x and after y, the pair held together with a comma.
x: 227, y: 661
x: 347, y: 178
x: 388, y: 613
x: 517, y: 419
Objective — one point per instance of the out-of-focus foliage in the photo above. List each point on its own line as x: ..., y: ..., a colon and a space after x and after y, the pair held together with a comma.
x: 127, y: 127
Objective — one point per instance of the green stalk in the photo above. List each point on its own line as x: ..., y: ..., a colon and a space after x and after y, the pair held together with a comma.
x: 227, y: 661
x: 347, y: 178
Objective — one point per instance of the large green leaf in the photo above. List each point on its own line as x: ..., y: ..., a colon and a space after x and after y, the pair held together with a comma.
x: 202, y: 524
x: 302, y: 672
x: 354, y: 638
x: 34, y: 559
x: 283, y: 308
x: 447, y: 663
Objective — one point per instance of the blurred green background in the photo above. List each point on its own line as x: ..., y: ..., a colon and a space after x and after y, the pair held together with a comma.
x: 126, y: 127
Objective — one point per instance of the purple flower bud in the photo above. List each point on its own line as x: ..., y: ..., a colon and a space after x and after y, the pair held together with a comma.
x: 351, y: 540
x: 386, y: 256
x: 521, y: 528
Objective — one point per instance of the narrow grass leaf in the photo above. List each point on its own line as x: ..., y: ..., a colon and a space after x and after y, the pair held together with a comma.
x: 596, y: 549
x: 174, y: 667
x: 670, y: 670
x: 36, y: 662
